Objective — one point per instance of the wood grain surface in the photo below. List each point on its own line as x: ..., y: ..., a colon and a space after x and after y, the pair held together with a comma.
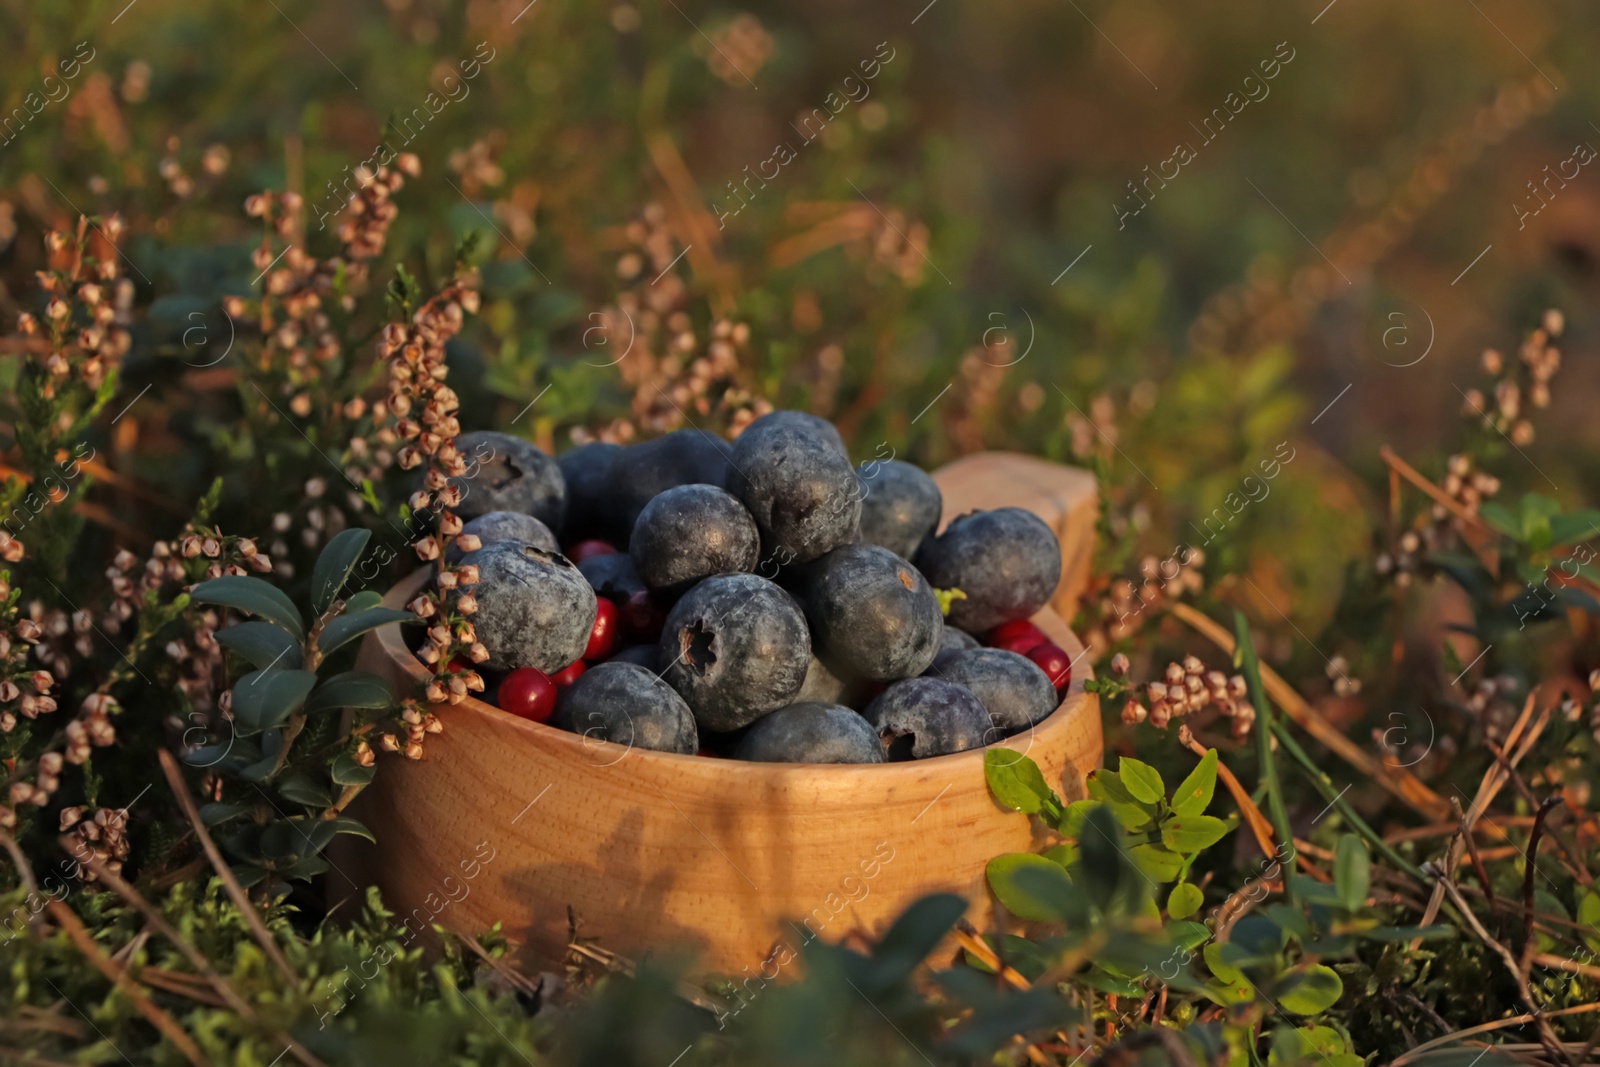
x: 513, y: 822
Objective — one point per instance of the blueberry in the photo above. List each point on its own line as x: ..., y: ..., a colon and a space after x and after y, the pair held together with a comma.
x: 823, y: 686
x: 646, y: 656
x: 1006, y: 561
x: 639, y: 472
x: 691, y: 532
x: 922, y: 717
x: 800, y: 488
x: 612, y: 576
x: 507, y: 526
x: 736, y: 647
x: 1012, y: 688
x: 509, y: 474
x: 952, y: 642
x: 801, y: 420
x: 873, y: 613
x: 811, y: 733
x: 900, y: 505
x: 627, y: 705
x: 535, y: 609
x: 585, y: 469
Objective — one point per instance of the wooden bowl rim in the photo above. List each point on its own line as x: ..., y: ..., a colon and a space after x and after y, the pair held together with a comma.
x: 578, y: 747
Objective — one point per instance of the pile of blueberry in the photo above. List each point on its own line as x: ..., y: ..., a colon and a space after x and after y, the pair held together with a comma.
x: 755, y: 599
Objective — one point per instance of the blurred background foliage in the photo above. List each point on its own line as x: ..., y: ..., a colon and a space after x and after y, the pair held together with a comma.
x: 944, y: 268
x: 921, y: 241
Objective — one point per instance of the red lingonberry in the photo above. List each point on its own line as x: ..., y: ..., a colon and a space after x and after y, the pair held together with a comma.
x: 527, y: 693
x: 642, y: 618
x: 1016, y: 635
x: 589, y: 549
x: 568, y: 674
x: 603, y: 635
x: 1055, y: 662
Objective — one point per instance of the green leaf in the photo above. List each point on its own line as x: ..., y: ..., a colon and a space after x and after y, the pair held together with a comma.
x: 352, y: 689
x: 285, y: 840
x: 343, y: 824
x: 1106, y: 787
x: 1574, y: 527
x: 346, y: 771
x: 334, y: 564
x: 349, y: 627
x: 1016, y: 782
x: 1194, y: 793
x: 217, y: 814
x: 1308, y: 1044
x: 1104, y: 868
x: 1435, y: 932
x: 1065, y: 855
x: 365, y: 600
x: 1352, y: 871
x: 1222, y: 969
x: 1159, y: 864
x: 248, y: 875
x: 1188, y: 935
x: 915, y: 934
x: 1500, y: 518
x: 1311, y: 991
x: 1038, y: 897
x: 1141, y: 780
x: 264, y: 644
x: 307, y: 868
x: 1589, y: 915
x: 1184, y: 900
x: 251, y: 595
x: 1191, y: 833
x: 302, y: 789
x: 263, y: 699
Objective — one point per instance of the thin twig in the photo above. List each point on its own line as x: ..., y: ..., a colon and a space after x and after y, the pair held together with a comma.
x: 1485, y: 1028
x: 1529, y: 875
x: 1253, y: 817
x: 1397, y: 780
x: 206, y: 973
x: 1452, y: 856
x: 986, y: 955
x: 118, y: 977
x: 240, y: 899
x: 1546, y: 1034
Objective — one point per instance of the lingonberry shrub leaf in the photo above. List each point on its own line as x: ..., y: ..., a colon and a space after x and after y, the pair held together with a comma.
x: 301, y: 789
x: 365, y: 600
x: 334, y: 565
x: 264, y: 699
x: 251, y: 595
x: 264, y: 644
x: 347, y: 628
x: 352, y: 689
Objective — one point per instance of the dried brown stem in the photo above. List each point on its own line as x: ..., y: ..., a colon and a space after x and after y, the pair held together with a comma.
x: 163, y: 1022
x: 1530, y: 874
x: 1259, y: 827
x: 205, y: 972
x: 1397, y: 780
x: 240, y: 899
x: 1547, y: 1035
